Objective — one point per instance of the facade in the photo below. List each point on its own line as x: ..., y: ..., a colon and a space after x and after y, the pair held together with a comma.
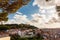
x: 51, y: 34
x: 58, y: 8
x: 25, y: 33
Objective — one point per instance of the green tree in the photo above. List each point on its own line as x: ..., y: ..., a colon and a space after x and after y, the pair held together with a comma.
x: 3, y: 17
x: 10, y: 6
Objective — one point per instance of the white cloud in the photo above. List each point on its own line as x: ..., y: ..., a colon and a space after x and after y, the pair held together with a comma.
x: 10, y: 22
x: 47, y: 11
x: 57, y: 2
x: 18, y: 13
x: 46, y: 8
x: 18, y: 19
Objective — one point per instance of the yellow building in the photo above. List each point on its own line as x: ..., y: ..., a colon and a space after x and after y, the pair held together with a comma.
x: 5, y: 38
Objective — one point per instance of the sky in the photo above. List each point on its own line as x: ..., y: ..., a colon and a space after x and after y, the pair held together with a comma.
x: 27, y: 10
x: 37, y: 13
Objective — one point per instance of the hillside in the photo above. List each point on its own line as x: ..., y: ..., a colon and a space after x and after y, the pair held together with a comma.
x: 13, y: 26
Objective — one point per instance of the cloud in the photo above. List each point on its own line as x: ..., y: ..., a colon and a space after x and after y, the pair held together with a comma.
x: 18, y: 19
x: 57, y: 2
x: 37, y: 20
x: 47, y: 11
x: 42, y: 19
x: 46, y: 8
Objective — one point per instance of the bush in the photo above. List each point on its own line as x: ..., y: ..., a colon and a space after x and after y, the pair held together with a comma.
x: 17, y: 37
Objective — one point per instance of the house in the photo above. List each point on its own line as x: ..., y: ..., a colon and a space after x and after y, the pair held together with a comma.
x: 4, y: 35
x: 21, y: 33
x: 25, y: 33
x: 12, y: 31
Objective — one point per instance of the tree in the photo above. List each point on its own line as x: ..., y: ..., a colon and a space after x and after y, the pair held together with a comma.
x: 3, y: 17
x: 17, y: 37
x: 10, y: 6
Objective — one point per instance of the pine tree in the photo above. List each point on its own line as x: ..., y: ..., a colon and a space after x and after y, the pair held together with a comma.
x: 10, y: 6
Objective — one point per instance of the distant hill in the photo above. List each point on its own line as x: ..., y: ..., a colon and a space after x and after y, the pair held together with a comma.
x: 14, y: 26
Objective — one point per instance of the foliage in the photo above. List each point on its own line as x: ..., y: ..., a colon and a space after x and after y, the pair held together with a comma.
x: 3, y: 28
x: 3, y: 17
x: 13, y: 26
x: 10, y: 6
x: 17, y: 37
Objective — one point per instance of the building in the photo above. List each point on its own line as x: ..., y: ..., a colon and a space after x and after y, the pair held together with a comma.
x: 25, y: 33
x: 4, y: 35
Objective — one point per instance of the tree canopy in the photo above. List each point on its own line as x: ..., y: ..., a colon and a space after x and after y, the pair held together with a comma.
x: 3, y: 17
x: 10, y: 6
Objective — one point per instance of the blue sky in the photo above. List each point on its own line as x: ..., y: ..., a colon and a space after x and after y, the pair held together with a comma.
x: 27, y: 10
x: 36, y: 13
